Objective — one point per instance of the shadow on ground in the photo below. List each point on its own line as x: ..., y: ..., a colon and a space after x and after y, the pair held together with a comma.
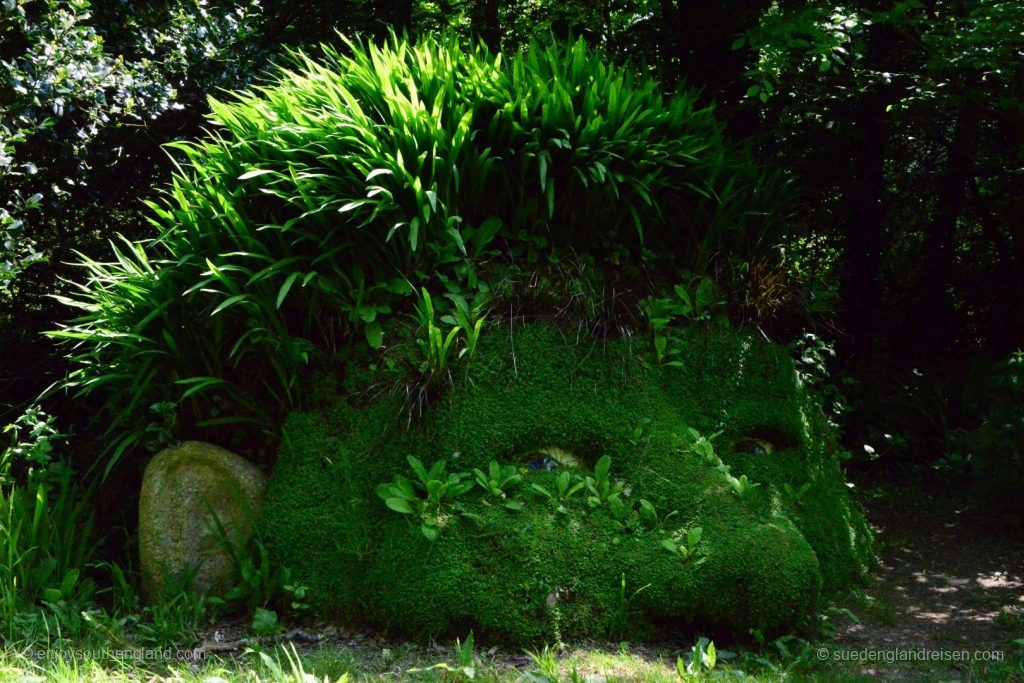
x: 947, y: 601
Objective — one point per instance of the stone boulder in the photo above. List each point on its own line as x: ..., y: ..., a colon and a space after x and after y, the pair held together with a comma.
x: 198, y: 502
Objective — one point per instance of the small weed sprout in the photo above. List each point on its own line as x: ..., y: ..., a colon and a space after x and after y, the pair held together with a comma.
x: 742, y: 486
x: 602, y: 490
x: 567, y: 486
x: 703, y: 657
x: 684, y: 544
x: 796, y: 494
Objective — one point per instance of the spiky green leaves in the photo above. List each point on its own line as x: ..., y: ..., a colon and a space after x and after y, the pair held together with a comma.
x: 301, y: 222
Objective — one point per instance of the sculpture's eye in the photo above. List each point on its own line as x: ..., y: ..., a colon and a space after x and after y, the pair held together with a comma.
x: 754, y: 446
x: 541, y: 464
x: 549, y: 458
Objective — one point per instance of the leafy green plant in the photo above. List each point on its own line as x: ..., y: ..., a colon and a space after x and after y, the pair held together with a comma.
x: 154, y: 351
x: 46, y: 545
x: 698, y: 298
x: 742, y: 486
x: 437, y: 347
x: 684, y: 543
x: 602, y: 489
x: 264, y: 622
x: 62, y: 613
x: 648, y: 515
x: 545, y: 663
x: 567, y: 486
x: 498, y: 481
x: 623, y: 512
x: 259, y: 585
x: 794, y: 651
x: 429, y: 498
x: 466, y: 664
x: 703, y: 657
x: 176, y: 616
x: 291, y: 670
x: 620, y: 615
x: 33, y: 436
x: 659, y: 314
x: 692, y: 303
x: 703, y: 446
x: 469, y: 319
x: 466, y: 655
x: 814, y: 356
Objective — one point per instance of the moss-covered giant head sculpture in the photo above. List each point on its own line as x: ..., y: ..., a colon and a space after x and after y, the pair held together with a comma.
x: 743, y: 535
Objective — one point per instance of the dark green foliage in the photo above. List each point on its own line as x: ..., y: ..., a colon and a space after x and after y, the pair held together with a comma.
x: 993, y: 452
x: 903, y: 126
x: 553, y: 566
x: 90, y: 90
x: 325, y: 193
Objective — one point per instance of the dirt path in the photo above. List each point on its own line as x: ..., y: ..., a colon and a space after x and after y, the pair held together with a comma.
x: 951, y: 581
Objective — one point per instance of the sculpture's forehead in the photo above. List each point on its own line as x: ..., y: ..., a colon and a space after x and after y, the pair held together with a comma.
x: 711, y: 361
x: 538, y: 389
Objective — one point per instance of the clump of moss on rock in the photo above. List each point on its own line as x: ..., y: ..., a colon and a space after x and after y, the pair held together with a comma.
x: 572, y: 569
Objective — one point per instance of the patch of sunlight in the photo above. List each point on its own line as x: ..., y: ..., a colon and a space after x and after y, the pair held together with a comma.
x: 998, y: 580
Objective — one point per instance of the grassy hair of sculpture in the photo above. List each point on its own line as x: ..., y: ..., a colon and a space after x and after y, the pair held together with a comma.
x: 295, y: 228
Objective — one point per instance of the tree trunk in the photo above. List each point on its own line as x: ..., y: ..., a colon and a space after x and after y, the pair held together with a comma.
x: 864, y: 235
x: 938, y: 323
x: 485, y: 22
x: 696, y: 46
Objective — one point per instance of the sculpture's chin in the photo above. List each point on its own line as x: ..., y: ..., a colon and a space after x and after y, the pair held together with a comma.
x: 537, y: 575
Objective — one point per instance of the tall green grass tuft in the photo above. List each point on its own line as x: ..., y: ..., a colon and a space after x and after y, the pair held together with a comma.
x: 46, y: 539
x: 322, y: 201
x: 45, y: 545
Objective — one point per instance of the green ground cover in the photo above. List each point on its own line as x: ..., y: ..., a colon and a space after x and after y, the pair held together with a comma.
x: 578, y: 497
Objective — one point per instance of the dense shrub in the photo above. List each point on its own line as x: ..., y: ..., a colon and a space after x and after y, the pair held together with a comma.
x: 994, y: 451
x: 321, y: 196
x: 526, y: 568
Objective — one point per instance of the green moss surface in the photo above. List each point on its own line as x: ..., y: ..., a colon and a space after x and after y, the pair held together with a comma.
x: 550, y: 571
